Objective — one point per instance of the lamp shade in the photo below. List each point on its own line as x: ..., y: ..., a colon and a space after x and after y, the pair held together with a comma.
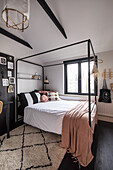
x: 95, y: 71
x: 46, y: 81
x: 16, y: 14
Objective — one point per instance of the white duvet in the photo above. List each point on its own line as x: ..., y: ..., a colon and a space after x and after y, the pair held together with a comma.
x: 48, y: 116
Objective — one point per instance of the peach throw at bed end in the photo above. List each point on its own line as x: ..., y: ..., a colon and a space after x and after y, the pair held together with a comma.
x: 77, y: 135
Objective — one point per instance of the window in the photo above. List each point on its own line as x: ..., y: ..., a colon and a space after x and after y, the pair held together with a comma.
x: 76, y: 77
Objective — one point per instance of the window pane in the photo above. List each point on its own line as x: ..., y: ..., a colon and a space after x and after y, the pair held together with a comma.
x: 72, y: 78
x: 84, y: 77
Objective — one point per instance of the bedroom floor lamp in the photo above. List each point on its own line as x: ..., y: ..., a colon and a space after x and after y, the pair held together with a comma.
x: 46, y: 81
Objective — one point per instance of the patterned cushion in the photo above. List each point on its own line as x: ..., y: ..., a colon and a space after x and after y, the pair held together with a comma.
x: 52, y: 96
x: 44, y: 98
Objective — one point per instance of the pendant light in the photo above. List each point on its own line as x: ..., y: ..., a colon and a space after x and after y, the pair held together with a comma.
x: 95, y: 71
x: 16, y: 14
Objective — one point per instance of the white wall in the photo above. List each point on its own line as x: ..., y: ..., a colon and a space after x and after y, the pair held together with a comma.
x: 107, y: 64
x: 25, y: 85
x: 55, y: 75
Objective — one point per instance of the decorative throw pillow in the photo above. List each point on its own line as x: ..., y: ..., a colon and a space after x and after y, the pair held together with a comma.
x: 44, y: 98
x: 52, y: 96
x: 38, y: 97
x: 27, y: 99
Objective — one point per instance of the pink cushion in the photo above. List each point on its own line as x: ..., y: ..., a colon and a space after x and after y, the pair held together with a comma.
x: 43, y: 92
x: 44, y: 98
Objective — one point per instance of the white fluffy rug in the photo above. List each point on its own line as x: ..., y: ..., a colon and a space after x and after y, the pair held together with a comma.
x: 30, y: 148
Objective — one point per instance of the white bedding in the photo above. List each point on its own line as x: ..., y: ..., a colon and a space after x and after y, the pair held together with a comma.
x: 48, y: 116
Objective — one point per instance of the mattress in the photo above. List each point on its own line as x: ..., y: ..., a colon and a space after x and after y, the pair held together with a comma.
x: 48, y: 116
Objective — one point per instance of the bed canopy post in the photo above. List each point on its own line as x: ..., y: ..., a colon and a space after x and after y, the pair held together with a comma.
x: 96, y: 62
x: 89, y: 91
x: 16, y: 90
x: 43, y: 77
x: 16, y: 77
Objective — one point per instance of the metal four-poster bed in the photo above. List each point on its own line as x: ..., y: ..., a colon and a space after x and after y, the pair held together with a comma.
x: 89, y: 45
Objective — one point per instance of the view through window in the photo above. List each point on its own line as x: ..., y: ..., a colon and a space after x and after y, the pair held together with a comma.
x: 76, y: 76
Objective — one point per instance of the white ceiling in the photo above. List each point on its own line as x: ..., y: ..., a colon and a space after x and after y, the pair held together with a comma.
x: 88, y: 19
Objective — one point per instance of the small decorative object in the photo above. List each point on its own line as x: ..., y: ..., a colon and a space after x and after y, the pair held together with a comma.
x: 39, y: 77
x: 10, y: 89
x: 16, y: 14
x: 11, y: 80
x: 34, y: 76
x: 111, y: 85
x: 108, y: 74
x: 10, y: 65
x: 1, y: 106
x: 10, y: 58
x: 3, y: 60
x: 105, y: 96
x: 9, y: 73
x: 5, y: 82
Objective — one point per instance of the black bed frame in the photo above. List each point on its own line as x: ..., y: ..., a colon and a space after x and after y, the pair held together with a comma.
x: 89, y: 46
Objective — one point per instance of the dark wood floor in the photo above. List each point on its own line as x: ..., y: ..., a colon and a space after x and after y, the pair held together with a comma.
x: 102, y: 150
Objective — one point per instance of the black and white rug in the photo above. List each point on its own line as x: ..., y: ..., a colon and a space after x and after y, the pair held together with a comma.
x: 30, y: 148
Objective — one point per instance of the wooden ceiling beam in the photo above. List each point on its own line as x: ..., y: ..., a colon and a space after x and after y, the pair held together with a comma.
x: 49, y: 12
x: 14, y: 37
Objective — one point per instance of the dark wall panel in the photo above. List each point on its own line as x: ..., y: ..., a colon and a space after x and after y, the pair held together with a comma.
x: 5, y: 96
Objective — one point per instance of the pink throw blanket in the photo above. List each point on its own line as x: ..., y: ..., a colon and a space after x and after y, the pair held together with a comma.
x: 77, y: 135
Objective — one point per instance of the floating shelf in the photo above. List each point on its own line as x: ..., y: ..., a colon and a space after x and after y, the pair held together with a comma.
x: 27, y: 78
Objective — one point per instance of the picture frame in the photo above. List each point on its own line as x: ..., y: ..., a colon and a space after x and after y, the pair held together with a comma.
x: 10, y: 89
x: 3, y: 60
x: 5, y: 82
x: 9, y: 73
x: 11, y: 80
x: 10, y: 65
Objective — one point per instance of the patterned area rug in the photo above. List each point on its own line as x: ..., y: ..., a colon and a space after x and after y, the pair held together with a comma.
x: 30, y: 148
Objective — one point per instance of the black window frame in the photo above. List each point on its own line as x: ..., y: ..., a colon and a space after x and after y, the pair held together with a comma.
x: 79, y: 61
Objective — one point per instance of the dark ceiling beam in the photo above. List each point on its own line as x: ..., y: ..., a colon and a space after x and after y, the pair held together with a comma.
x: 49, y: 12
x: 14, y: 37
